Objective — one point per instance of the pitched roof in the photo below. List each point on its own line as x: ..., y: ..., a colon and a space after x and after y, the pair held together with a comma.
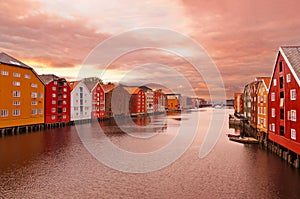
x: 291, y: 55
x: 108, y: 87
x: 73, y: 84
x: 132, y: 90
x: 6, y: 59
x: 47, y: 78
x: 90, y: 85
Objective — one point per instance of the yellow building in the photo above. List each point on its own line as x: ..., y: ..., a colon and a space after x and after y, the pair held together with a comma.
x: 173, y: 103
x: 21, y: 94
x: 262, y: 105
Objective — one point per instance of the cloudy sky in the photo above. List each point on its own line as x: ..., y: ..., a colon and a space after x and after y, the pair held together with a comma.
x: 241, y: 37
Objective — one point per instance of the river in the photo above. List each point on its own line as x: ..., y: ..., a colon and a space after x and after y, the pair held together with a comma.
x: 55, y: 164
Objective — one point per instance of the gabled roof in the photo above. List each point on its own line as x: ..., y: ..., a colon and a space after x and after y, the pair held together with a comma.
x: 263, y: 80
x: 91, y: 85
x: 291, y: 55
x: 47, y: 78
x: 132, y: 90
x: 73, y: 84
x: 108, y: 87
x: 6, y: 59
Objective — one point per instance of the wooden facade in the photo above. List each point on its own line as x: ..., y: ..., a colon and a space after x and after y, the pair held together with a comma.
x: 284, y: 99
x: 23, y: 94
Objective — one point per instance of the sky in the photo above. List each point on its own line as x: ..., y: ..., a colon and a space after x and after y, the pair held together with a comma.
x: 241, y: 38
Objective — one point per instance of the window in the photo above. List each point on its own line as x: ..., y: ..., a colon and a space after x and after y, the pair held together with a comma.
x: 16, y: 112
x: 65, y: 89
x: 53, y: 117
x: 33, y: 94
x: 265, y: 98
x: 53, y: 95
x: 4, y: 72
x: 281, y: 99
x: 282, y: 114
x: 282, y: 130
x: 293, y: 94
x: 53, y: 110
x: 16, y: 93
x: 64, y: 116
x: 4, y: 113
x: 65, y: 83
x: 40, y: 111
x: 33, y: 111
x: 41, y: 95
x: 17, y: 75
x: 275, y: 82
x: 81, y: 89
x: 272, y: 127
x: 288, y: 78
x: 16, y: 103
x: 53, y: 102
x: 33, y: 85
x: 272, y: 96
x: 55, y: 82
x: 65, y: 96
x: 265, y: 110
x: 33, y: 103
x: 281, y: 82
x: 64, y: 102
x: 273, y: 112
x: 53, y: 88
x: 293, y: 115
x: 293, y: 134
x: 280, y: 66
x: 27, y: 76
x: 15, y: 83
x: 64, y: 109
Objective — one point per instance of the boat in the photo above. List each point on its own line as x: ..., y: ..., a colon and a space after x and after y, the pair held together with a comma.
x: 233, y: 135
x: 244, y: 140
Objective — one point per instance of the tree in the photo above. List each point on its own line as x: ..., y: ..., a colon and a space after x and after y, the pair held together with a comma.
x: 92, y: 79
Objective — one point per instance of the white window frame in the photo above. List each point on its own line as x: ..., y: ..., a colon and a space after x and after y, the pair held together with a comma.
x: 273, y: 96
x: 293, y: 94
x: 16, y: 112
x: 288, y: 78
x: 274, y: 82
x: 293, y: 134
x: 4, y: 73
x: 33, y: 85
x: 273, y: 112
x: 4, y: 113
x: 16, y: 103
x: 16, y: 83
x: 27, y: 76
x: 16, y: 74
x: 16, y: 93
x: 293, y: 115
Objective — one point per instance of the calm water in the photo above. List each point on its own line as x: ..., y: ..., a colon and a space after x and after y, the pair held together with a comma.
x: 55, y: 164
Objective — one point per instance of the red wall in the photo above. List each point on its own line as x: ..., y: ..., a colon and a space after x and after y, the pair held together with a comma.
x: 285, y: 140
x: 49, y: 105
x: 98, y: 95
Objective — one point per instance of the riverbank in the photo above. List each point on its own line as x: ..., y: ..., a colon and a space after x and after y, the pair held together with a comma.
x: 247, y: 130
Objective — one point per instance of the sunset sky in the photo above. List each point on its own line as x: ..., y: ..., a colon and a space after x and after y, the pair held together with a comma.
x: 242, y: 37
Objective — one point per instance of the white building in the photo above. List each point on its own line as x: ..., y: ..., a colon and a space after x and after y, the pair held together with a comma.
x: 81, y: 101
x: 149, y: 99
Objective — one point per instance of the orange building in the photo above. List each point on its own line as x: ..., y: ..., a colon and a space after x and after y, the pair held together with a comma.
x: 262, y: 105
x: 21, y: 94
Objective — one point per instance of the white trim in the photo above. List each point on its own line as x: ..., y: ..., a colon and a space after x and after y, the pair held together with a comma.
x: 290, y: 66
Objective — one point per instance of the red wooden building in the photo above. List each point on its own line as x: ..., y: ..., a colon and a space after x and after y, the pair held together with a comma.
x: 238, y: 103
x: 57, y: 99
x: 98, y: 100
x: 137, y: 103
x: 284, y: 99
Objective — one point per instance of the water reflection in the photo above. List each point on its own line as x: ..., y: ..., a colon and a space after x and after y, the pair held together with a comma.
x: 54, y: 163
